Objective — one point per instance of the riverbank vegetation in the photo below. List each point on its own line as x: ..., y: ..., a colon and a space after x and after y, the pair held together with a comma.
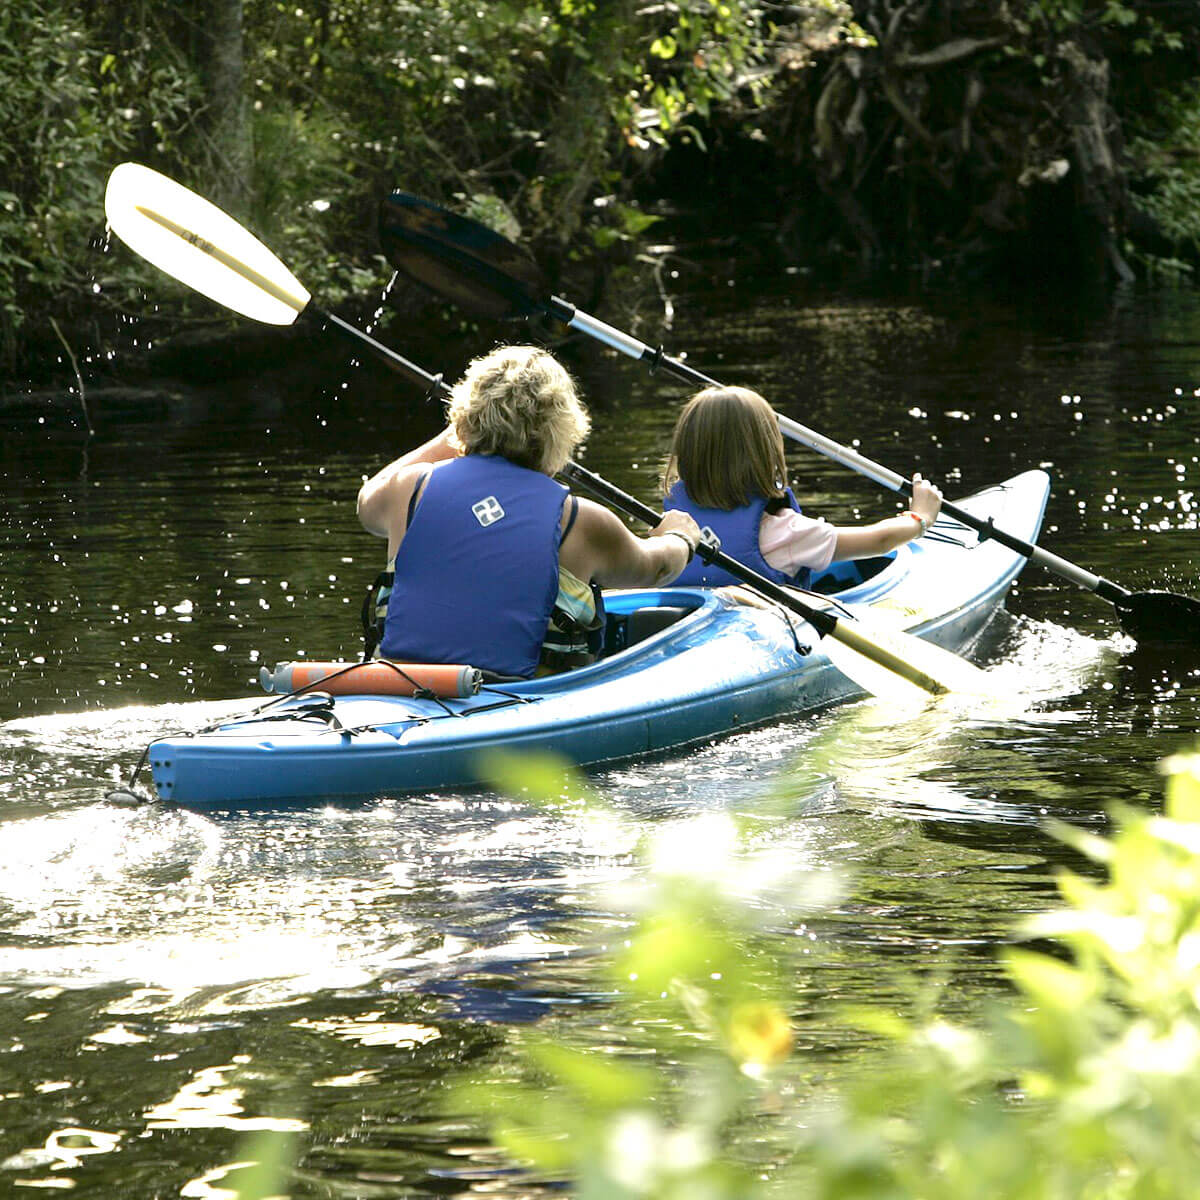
x: 982, y: 138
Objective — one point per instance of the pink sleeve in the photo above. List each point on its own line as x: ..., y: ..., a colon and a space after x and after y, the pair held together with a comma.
x: 790, y: 540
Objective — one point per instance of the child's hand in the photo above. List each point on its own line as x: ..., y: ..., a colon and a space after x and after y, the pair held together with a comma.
x: 926, y: 499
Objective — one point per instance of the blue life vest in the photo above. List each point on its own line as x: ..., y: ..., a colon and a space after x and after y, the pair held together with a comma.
x: 738, y: 530
x: 476, y: 574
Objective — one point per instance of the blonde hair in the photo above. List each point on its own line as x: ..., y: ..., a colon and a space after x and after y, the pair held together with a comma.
x: 519, y: 402
x: 727, y: 449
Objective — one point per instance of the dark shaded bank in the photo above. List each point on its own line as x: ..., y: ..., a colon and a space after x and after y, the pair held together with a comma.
x: 972, y: 141
x: 157, y: 370
x: 127, y: 380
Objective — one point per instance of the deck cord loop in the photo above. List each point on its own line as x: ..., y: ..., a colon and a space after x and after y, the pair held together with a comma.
x: 790, y: 621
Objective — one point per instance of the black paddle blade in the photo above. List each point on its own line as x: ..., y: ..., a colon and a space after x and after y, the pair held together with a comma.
x: 1160, y: 618
x: 460, y: 259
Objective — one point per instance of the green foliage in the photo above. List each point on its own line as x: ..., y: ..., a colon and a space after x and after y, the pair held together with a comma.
x: 628, y: 224
x: 1128, y: 19
x: 304, y: 203
x: 540, y: 109
x: 545, y: 115
x: 1165, y: 163
x: 68, y: 112
x: 265, y: 1161
x: 700, y: 946
x: 543, y: 104
x: 1084, y: 1083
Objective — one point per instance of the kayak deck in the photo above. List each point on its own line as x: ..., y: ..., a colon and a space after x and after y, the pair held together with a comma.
x: 680, y: 665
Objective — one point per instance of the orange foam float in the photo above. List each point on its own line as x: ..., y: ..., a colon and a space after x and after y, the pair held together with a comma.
x: 380, y: 677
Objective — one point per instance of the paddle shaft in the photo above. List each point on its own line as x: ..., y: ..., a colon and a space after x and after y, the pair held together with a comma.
x: 435, y: 386
x: 563, y: 311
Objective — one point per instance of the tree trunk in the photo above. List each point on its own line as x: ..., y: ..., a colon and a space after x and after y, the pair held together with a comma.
x: 575, y: 149
x: 1099, y: 183
x: 230, y: 155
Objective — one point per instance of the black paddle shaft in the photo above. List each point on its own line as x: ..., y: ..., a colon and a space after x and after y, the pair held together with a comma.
x: 434, y: 385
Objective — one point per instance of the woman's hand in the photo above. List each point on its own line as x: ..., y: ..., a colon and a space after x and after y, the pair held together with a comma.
x: 682, y: 525
x: 601, y: 548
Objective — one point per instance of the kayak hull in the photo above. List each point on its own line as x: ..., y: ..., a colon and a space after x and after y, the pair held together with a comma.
x: 716, y: 666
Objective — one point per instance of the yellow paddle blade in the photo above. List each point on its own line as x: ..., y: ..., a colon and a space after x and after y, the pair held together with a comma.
x: 892, y: 664
x: 192, y: 239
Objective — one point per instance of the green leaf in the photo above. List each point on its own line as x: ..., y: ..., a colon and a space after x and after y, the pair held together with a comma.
x: 1090, y: 845
x: 1047, y: 981
x: 270, y: 1156
x: 602, y: 1082
x: 673, y: 947
x: 544, y: 778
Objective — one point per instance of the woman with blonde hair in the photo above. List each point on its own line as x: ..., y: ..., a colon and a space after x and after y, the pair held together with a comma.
x: 727, y: 469
x: 495, y: 564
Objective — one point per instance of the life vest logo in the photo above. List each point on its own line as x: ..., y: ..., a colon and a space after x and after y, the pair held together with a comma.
x: 487, y: 511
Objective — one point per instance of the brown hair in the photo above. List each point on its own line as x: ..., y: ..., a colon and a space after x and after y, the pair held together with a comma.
x: 518, y: 402
x: 727, y: 449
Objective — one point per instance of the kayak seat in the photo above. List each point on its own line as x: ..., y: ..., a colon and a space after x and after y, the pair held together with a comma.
x: 849, y: 572
x: 627, y: 629
x: 645, y: 622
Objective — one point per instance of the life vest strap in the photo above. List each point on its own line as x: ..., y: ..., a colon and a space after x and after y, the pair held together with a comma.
x: 374, y: 612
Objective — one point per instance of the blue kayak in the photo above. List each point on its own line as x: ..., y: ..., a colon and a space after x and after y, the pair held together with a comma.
x: 680, y: 666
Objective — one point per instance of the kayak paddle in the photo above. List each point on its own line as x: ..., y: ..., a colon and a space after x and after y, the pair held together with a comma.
x: 197, y: 243
x: 476, y: 267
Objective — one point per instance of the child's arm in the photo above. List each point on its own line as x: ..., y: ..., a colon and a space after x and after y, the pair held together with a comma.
x: 861, y: 541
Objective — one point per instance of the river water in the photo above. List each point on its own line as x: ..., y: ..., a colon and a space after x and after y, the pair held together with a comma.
x: 172, y: 981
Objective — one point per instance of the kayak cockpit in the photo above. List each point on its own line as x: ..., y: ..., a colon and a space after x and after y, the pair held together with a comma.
x: 633, y: 617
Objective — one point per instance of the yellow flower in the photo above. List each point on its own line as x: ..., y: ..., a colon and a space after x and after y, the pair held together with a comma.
x: 760, y: 1033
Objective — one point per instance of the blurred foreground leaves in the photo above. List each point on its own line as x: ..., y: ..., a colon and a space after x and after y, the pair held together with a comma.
x: 1084, y: 1081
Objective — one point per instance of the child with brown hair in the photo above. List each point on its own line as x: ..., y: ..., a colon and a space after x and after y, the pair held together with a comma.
x: 727, y: 469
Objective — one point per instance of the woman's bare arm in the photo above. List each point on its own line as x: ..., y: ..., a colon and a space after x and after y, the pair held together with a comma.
x: 600, y: 548
x: 388, y: 490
